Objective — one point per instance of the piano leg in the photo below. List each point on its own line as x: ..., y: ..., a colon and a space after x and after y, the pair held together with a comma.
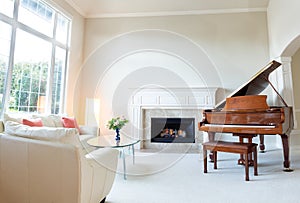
x: 286, y: 150
x: 262, y: 143
x: 211, y: 138
x: 241, y: 161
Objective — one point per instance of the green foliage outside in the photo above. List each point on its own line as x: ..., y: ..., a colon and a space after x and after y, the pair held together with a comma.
x: 29, y: 82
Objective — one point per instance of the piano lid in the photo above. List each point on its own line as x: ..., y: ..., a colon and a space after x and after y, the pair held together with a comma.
x: 255, y: 85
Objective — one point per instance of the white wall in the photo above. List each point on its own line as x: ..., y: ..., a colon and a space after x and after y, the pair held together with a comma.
x: 283, y: 25
x: 296, y: 85
x: 284, y: 35
x: 296, y: 81
x: 123, y: 54
x: 232, y: 46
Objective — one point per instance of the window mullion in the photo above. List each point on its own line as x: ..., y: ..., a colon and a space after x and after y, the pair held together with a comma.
x: 51, y: 70
x: 5, y: 99
x: 63, y: 91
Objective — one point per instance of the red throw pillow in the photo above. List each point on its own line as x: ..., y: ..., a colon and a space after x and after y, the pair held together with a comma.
x: 70, y: 122
x: 33, y: 122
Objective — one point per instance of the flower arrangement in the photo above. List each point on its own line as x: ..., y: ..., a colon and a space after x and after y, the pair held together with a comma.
x: 116, y: 123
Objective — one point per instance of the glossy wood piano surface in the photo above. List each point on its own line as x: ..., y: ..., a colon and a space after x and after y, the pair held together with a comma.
x: 246, y: 114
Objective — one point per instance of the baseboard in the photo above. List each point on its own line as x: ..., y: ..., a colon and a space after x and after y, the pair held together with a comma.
x: 295, y: 138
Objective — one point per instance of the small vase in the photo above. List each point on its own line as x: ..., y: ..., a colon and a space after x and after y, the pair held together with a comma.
x: 117, y: 134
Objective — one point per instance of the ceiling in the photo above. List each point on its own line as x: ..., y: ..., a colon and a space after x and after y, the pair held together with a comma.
x: 134, y: 8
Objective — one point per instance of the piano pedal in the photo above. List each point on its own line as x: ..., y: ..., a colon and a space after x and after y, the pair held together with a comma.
x: 211, y: 158
x: 242, y: 162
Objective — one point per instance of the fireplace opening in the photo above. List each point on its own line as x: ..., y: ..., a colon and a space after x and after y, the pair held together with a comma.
x: 177, y: 130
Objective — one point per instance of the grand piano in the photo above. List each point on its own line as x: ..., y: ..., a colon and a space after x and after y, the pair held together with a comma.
x: 246, y: 114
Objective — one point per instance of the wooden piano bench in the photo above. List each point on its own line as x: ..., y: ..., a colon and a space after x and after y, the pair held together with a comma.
x: 232, y: 147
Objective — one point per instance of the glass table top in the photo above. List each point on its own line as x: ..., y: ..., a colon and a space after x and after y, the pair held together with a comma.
x: 109, y: 141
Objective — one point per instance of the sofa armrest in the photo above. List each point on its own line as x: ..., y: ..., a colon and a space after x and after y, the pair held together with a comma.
x: 101, y: 164
x: 104, y: 157
x: 88, y: 130
x: 1, y: 127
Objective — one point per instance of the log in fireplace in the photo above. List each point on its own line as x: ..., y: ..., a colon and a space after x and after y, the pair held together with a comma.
x: 173, y: 130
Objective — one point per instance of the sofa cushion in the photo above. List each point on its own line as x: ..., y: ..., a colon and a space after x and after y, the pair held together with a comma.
x: 51, y: 120
x: 84, y: 145
x: 16, y: 117
x: 89, y: 130
x: 34, y: 122
x: 64, y: 135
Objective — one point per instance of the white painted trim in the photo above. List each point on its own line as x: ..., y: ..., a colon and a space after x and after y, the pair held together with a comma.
x: 77, y: 8
x: 204, y: 97
x: 58, y: 8
x: 295, y: 132
x: 174, y: 13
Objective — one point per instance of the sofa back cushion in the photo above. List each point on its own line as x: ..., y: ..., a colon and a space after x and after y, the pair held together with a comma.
x: 64, y: 135
x: 50, y: 120
x: 16, y: 117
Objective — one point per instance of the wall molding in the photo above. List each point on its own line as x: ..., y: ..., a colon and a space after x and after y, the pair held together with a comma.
x: 176, y: 13
x: 76, y: 7
x: 162, y: 13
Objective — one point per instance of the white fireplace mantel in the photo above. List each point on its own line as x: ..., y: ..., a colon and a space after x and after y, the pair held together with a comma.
x: 196, y: 97
x: 168, y: 98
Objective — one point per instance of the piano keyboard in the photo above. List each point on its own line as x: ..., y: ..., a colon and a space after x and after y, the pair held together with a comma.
x: 239, y: 126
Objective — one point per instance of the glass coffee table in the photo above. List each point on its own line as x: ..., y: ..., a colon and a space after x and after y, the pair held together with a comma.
x: 103, y: 141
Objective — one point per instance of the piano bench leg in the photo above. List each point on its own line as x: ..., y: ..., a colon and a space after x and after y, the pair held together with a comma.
x: 246, y: 167
x: 205, y: 160
x: 255, y: 161
x: 247, y: 162
x: 215, y: 159
x: 242, y: 148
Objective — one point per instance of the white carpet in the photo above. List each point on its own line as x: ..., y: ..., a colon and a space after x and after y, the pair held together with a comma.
x: 178, y: 177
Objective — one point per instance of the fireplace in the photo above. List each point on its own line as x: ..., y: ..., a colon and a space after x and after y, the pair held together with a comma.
x: 173, y: 130
x: 149, y: 105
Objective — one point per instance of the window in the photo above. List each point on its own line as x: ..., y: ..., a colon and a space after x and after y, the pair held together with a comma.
x: 33, y: 56
x: 5, y: 36
x: 30, y: 72
x: 7, y: 7
x: 37, y: 15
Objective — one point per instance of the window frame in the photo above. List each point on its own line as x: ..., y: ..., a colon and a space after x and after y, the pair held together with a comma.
x: 15, y: 24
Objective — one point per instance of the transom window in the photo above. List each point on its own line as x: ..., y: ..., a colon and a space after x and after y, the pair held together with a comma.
x: 34, y: 49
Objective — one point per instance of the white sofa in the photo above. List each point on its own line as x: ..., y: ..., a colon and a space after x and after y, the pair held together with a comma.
x: 51, y: 164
